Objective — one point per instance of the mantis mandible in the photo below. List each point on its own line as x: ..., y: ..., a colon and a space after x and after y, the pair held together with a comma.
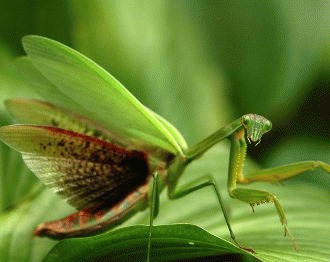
x: 65, y: 160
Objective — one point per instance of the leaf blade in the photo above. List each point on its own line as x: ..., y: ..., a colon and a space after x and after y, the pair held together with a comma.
x: 185, y: 241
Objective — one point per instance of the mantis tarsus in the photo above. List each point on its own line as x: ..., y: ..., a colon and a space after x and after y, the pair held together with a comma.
x: 42, y: 148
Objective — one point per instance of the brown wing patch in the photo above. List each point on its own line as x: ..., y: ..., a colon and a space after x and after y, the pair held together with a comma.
x: 83, y: 169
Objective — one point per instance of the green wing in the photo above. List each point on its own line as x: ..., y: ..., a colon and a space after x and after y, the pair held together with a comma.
x: 36, y: 112
x: 99, y: 96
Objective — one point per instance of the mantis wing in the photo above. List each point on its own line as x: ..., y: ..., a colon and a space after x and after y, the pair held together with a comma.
x: 99, y: 96
x: 85, y: 170
x: 36, y: 112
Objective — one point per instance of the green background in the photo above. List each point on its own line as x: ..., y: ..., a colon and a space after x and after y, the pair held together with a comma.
x: 199, y: 64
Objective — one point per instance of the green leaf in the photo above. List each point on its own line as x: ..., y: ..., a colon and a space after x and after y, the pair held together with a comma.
x: 183, y: 242
x: 84, y: 82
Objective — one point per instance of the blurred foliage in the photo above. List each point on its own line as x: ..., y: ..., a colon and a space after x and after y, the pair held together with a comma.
x: 199, y: 64
x: 231, y: 57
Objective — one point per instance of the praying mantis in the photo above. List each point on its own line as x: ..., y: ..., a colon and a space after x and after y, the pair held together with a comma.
x: 110, y: 170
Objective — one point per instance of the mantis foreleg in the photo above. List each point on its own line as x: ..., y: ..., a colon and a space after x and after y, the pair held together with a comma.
x: 253, y: 196
x: 279, y: 173
x: 250, y: 127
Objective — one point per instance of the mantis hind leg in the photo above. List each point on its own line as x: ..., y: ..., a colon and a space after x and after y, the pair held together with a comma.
x: 154, y: 203
x: 94, y: 219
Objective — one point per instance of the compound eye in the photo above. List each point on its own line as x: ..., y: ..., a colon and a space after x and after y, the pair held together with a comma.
x: 246, y: 121
x: 267, y: 126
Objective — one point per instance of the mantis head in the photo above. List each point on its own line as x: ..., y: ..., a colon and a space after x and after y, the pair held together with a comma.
x: 255, y: 126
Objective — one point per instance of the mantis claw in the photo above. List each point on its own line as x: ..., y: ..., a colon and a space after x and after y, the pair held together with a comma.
x: 243, y: 247
x: 288, y: 234
x: 248, y: 249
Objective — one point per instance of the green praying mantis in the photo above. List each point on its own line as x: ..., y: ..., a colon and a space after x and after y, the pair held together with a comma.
x: 110, y: 166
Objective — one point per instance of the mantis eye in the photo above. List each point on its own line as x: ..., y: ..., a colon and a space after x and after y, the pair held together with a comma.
x: 267, y: 126
x: 247, y: 121
x: 255, y: 126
